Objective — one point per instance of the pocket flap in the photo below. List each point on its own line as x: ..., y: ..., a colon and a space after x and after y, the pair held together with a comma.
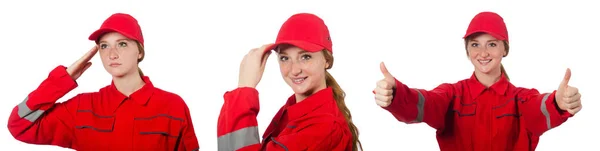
x: 87, y: 119
x: 161, y: 124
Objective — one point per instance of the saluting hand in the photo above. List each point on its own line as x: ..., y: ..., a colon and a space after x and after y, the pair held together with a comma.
x: 385, y: 88
x: 79, y: 66
x: 253, y: 66
x: 568, y: 97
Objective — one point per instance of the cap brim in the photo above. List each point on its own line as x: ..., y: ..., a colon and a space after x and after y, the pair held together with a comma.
x: 307, y: 46
x: 484, y: 31
x: 96, y: 34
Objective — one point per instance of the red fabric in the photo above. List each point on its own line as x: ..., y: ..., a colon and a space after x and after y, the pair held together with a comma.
x: 312, y: 124
x: 150, y: 119
x: 122, y: 23
x: 469, y: 116
x: 306, y: 31
x: 490, y: 23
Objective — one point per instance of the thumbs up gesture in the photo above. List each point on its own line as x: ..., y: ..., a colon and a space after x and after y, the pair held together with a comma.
x: 385, y: 88
x: 567, y: 97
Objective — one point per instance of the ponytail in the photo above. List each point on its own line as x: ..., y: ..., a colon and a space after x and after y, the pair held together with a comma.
x: 502, y: 66
x: 143, y: 52
x: 140, y: 71
x: 339, y: 95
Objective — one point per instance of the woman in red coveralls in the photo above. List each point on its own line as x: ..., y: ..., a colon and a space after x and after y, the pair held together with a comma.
x: 485, y: 111
x: 129, y: 114
x: 314, y: 118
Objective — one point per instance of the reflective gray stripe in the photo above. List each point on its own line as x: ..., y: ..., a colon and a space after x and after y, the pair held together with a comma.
x: 545, y: 110
x: 196, y: 149
x: 238, y: 139
x: 420, y: 107
x: 25, y: 112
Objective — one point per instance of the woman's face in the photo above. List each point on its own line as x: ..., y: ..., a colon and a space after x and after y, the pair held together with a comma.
x: 119, y: 54
x: 486, y: 52
x: 303, y: 71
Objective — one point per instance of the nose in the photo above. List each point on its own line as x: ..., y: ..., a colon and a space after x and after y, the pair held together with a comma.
x: 112, y: 54
x: 296, y: 68
x: 484, y: 53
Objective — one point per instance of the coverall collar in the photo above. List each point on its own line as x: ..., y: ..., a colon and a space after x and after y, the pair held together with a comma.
x: 476, y: 88
x: 140, y: 96
x: 309, y: 104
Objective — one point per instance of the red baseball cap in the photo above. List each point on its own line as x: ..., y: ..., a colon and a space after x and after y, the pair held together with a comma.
x: 490, y: 23
x: 306, y: 31
x: 122, y: 23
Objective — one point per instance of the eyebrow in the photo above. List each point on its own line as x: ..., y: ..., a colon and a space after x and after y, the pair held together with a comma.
x: 301, y: 52
x: 495, y: 40
x: 117, y: 40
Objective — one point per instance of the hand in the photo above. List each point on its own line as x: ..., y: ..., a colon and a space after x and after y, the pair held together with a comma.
x: 79, y: 66
x: 253, y: 66
x: 567, y: 97
x: 385, y: 88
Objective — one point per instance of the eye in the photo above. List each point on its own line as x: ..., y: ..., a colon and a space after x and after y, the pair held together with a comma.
x: 305, y: 57
x: 474, y: 45
x: 103, y: 46
x: 283, y: 58
x: 122, y: 44
x: 492, y: 44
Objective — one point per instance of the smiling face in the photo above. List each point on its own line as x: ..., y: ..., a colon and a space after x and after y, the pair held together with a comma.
x: 485, y: 53
x: 119, y: 54
x: 303, y: 71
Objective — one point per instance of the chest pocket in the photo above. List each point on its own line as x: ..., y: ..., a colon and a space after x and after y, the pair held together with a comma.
x: 161, y: 130
x: 507, y: 109
x: 506, y: 125
x: 93, y: 129
x: 465, y: 111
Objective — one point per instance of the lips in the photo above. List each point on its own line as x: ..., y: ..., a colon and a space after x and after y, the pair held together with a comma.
x: 114, y: 64
x: 299, y: 80
x: 484, y: 61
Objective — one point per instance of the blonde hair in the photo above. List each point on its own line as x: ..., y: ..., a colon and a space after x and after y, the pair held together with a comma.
x: 141, y: 51
x: 339, y: 96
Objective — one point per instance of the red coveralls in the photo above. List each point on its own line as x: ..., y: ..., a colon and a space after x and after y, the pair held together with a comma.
x: 315, y: 123
x: 470, y: 117
x: 150, y: 119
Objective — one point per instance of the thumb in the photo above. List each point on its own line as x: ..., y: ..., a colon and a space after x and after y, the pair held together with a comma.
x: 566, y: 79
x: 386, y: 73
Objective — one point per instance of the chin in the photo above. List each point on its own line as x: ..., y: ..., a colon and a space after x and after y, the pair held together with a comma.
x: 486, y: 70
x: 116, y: 73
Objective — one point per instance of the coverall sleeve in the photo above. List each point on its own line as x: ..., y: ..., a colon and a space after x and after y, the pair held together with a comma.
x: 412, y: 105
x: 188, y: 135
x: 39, y: 120
x: 237, y: 128
x: 540, y: 111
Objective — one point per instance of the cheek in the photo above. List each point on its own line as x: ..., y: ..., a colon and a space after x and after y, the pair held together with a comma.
x: 472, y: 55
x: 284, y: 68
x: 498, y: 53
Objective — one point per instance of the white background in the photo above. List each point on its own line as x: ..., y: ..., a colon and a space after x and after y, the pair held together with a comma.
x: 194, y: 49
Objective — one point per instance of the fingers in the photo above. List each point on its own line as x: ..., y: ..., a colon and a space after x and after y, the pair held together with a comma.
x: 385, y: 84
x: 264, y: 60
x: 90, y: 54
x: 87, y: 65
x: 571, y: 91
x: 385, y: 72
x: 382, y: 100
x: 574, y: 110
x: 566, y: 79
x: 382, y: 91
